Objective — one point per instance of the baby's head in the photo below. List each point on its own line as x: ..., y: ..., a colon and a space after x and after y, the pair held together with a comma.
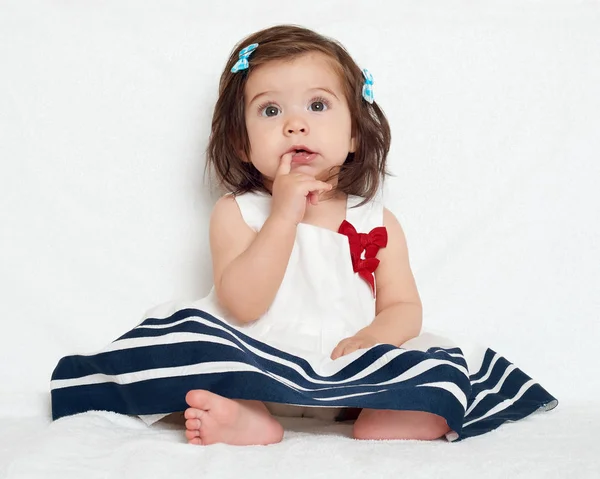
x: 299, y: 90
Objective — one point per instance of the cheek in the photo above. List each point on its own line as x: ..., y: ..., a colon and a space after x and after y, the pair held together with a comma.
x: 254, y: 133
x: 341, y: 133
x: 256, y: 128
x: 250, y: 126
x: 260, y: 136
x: 347, y: 122
x: 342, y: 122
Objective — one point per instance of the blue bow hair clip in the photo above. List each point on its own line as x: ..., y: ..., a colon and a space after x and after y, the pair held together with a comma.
x: 242, y: 63
x: 367, y: 91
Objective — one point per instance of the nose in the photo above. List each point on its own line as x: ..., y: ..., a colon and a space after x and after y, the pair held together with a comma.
x: 295, y: 125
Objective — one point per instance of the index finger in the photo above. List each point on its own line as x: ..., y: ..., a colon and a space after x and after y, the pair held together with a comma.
x: 285, y: 165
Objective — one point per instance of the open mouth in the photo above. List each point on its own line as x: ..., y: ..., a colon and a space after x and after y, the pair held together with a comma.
x: 300, y: 150
x: 301, y: 154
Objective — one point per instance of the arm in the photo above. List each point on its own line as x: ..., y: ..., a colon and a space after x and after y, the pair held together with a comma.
x: 248, y: 267
x: 399, y: 312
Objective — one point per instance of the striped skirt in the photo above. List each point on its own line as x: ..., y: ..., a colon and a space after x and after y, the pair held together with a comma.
x: 150, y: 369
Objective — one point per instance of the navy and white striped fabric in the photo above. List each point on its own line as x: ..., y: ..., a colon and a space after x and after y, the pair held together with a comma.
x: 150, y: 369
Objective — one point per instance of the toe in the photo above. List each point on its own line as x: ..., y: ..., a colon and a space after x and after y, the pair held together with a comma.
x: 195, y: 398
x: 189, y: 413
x: 191, y: 434
x: 193, y: 413
x: 192, y: 424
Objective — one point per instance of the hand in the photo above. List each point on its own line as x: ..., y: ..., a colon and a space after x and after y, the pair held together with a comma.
x: 293, y: 191
x: 349, y: 345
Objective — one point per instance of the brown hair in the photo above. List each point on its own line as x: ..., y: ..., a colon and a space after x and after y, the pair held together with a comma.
x: 362, y: 172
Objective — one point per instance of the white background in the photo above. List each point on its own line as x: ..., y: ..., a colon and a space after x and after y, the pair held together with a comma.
x: 105, y: 111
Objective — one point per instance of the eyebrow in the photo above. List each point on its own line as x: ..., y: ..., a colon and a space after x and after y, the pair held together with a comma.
x: 328, y: 90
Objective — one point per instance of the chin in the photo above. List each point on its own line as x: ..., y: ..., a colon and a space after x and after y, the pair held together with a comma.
x: 295, y: 166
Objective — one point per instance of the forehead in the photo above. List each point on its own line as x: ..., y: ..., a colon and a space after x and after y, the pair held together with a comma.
x: 311, y: 70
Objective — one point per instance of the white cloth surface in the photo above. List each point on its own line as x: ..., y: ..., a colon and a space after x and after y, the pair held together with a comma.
x: 106, y: 445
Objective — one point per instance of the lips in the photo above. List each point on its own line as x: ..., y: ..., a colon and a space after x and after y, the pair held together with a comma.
x: 301, y: 154
x: 299, y: 148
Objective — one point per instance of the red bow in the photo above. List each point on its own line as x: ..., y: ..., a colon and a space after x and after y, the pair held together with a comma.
x: 370, y: 244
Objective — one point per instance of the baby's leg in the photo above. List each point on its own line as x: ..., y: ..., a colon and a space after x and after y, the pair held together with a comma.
x: 388, y: 424
x: 214, y: 419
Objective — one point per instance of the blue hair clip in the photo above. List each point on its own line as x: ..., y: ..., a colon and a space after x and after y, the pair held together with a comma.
x: 242, y: 63
x: 367, y: 91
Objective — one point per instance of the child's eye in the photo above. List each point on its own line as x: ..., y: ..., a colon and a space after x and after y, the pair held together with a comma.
x: 319, y: 104
x: 269, y: 110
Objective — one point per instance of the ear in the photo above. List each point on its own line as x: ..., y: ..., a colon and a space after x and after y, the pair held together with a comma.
x: 352, y: 147
x: 243, y: 156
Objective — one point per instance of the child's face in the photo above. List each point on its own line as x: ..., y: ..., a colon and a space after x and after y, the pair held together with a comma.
x: 297, y: 103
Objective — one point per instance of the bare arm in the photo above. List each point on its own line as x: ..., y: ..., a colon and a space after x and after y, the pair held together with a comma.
x: 399, y: 312
x: 248, y: 267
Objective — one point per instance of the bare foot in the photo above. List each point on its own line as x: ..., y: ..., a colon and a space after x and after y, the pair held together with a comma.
x: 212, y: 419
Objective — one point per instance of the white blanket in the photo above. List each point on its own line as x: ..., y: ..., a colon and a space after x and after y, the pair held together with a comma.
x: 105, y: 445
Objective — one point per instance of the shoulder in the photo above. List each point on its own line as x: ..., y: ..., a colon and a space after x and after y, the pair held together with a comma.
x: 395, y: 280
x: 225, y: 207
x: 397, y: 247
x: 391, y: 223
x: 228, y: 231
x: 231, y: 203
x: 226, y: 214
x: 249, y: 209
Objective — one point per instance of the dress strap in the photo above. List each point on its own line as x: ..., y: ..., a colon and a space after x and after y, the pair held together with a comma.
x: 255, y: 208
x: 366, y: 217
